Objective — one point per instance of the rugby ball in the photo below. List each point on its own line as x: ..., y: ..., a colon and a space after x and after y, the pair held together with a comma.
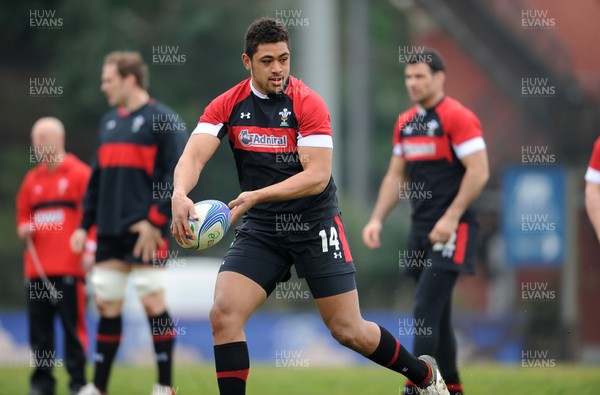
x: 214, y: 219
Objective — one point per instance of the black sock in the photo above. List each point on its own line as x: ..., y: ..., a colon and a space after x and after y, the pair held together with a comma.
x: 453, y: 384
x: 233, y: 364
x: 163, y: 337
x: 391, y: 354
x: 107, y: 344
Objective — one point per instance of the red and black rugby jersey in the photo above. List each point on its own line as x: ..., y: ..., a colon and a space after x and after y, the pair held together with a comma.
x: 593, y: 171
x: 264, y: 133
x: 50, y: 202
x: 132, y: 172
x: 432, y: 141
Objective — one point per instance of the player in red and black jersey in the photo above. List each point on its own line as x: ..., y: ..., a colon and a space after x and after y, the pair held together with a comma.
x: 439, y: 163
x: 49, y: 209
x: 280, y: 134
x: 140, y: 142
x: 592, y: 189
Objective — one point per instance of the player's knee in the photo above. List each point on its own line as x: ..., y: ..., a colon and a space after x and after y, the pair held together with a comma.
x: 148, y: 281
x: 222, y: 318
x: 154, y: 304
x: 216, y: 317
x: 108, y: 308
x: 344, y: 334
x: 109, y: 285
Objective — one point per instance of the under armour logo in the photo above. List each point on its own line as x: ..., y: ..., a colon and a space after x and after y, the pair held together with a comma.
x: 245, y: 115
x: 337, y: 255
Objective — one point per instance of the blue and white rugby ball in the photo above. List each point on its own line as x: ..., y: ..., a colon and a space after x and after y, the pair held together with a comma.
x: 214, y: 219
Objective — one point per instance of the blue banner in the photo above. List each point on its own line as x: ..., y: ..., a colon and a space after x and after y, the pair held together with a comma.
x: 534, y: 215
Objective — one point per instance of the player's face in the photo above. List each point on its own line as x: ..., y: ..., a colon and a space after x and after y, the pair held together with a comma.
x: 422, y: 84
x: 113, y: 85
x: 47, y: 142
x: 269, y: 67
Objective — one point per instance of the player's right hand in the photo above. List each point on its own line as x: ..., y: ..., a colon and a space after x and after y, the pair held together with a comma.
x: 77, y: 240
x: 182, y: 208
x: 25, y: 231
x: 371, y: 233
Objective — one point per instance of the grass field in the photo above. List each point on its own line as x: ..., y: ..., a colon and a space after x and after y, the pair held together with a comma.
x: 267, y: 380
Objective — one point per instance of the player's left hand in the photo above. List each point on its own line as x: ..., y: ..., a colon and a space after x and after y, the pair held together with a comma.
x: 87, y: 261
x: 244, y: 202
x: 443, y: 229
x: 149, y: 238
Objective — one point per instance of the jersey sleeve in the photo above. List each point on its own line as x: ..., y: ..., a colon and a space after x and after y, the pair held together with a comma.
x: 396, y: 138
x: 84, y: 173
x: 593, y: 171
x: 170, y: 148
x: 465, y: 133
x: 24, y: 209
x: 215, y: 117
x: 314, y: 122
x: 90, y: 199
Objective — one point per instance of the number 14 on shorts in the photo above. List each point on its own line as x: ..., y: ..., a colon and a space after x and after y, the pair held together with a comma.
x: 331, y: 241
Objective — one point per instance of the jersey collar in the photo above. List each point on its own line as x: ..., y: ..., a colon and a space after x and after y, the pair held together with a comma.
x: 423, y: 110
x: 262, y: 95
x: 256, y: 92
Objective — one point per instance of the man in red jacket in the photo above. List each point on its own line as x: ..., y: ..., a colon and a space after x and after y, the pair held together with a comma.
x: 48, y: 211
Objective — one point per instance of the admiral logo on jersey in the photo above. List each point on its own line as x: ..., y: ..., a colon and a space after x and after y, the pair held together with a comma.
x: 261, y: 140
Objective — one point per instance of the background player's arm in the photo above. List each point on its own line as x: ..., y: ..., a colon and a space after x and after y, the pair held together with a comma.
x: 312, y: 180
x: 170, y: 148
x: 198, y: 150
x: 387, y: 199
x: 473, y: 181
x: 90, y: 201
x: 592, y: 205
x: 24, y: 212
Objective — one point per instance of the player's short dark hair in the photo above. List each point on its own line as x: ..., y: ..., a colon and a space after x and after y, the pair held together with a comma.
x: 130, y: 63
x: 431, y: 57
x: 265, y: 31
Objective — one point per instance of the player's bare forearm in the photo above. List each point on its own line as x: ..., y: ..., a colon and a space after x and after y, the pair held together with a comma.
x: 474, y: 179
x: 198, y: 150
x: 311, y: 181
x: 388, y: 196
x: 592, y: 205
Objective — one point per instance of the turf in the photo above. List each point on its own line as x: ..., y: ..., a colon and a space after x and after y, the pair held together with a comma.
x: 358, y: 380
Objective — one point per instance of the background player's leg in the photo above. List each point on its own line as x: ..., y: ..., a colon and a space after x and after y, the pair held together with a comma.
x: 110, y: 282
x: 236, y: 298
x: 41, y: 336
x: 149, y: 285
x: 446, y: 355
x: 432, y: 296
x: 71, y: 310
x: 342, y: 316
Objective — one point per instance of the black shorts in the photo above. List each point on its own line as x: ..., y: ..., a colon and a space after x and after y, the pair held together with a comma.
x: 319, y: 251
x: 121, y: 248
x: 420, y: 255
